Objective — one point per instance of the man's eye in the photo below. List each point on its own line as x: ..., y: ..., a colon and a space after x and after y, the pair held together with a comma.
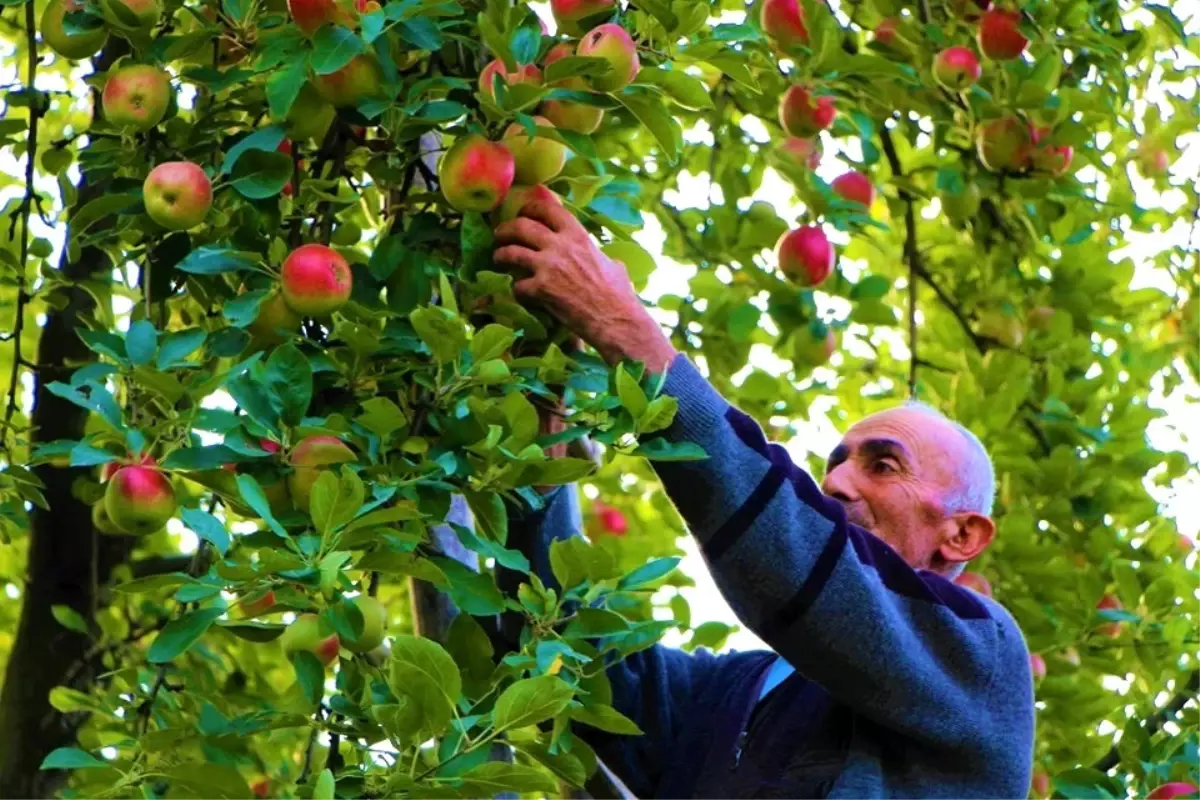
x: 883, y: 466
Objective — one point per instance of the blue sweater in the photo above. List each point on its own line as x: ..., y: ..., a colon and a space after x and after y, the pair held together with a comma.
x: 904, y: 684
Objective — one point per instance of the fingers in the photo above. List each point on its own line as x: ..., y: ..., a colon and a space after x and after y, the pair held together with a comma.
x: 546, y: 209
x: 525, y: 232
x: 528, y: 288
x: 516, y: 256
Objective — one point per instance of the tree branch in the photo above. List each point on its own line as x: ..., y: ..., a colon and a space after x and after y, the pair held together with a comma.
x: 1163, y: 715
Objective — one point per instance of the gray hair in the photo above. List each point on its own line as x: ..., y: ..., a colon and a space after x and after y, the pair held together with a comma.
x: 975, y: 489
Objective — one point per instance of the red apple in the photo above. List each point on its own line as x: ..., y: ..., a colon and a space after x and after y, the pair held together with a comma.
x: 516, y: 199
x: 261, y: 787
x: 805, y: 255
x: 956, y: 68
x: 1037, y: 665
x: 136, y: 97
x: 799, y: 152
x: 803, y: 114
x: 1184, y: 544
x: 573, y: 17
x: 258, y: 605
x: 613, y: 44
x: 1039, y: 786
x: 975, y: 582
x: 1110, y: 629
x: 309, y: 15
x: 783, y: 22
x: 146, y: 12
x: 814, y: 344
x: 1153, y: 161
x: 139, y: 499
x: 1000, y: 36
x: 1004, y: 144
x: 1170, y: 791
x: 308, y: 459
x: 359, y: 80
x: 374, y: 616
x: 570, y: 116
x: 537, y: 159
x: 69, y: 45
x: 855, y: 187
x: 315, y: 280
x: 1055, y: 160
x: 887, y: 31
x: 529, y: 73
x: 476, y: 174
x: 305, y: 635
x: 112, y: 467
x: 177, y: 195
x: 611, y: 520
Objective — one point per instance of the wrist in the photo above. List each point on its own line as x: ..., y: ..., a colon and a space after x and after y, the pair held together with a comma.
x: 636, y: 337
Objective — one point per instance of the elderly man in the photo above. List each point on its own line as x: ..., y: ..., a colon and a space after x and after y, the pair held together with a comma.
x: 885, y: 678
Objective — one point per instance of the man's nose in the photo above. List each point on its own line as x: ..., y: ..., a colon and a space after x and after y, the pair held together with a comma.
x: 839, y: 483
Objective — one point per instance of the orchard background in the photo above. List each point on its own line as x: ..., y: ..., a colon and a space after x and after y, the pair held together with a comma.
x: 1026, y: 263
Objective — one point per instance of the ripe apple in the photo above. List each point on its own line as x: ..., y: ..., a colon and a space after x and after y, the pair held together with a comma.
x: 887, y: 31
x: 136, y: 97
x: 537, y: 159
x: 1039, y: 786
x: 798, y: 152
x: 783, y: 22
x: 177, y: 195
x: 261, y: 787
x: 359, y: 80
x: 1153, y: 161
x: 612, y: 43
x: 304, y: 635
x: 308, y: 459
x: 528, y: 73
x: 1000, y: 36
x: 1055, y: 160
x: 611, y: 520
x: 573, y: 17
x: 69, y: 45
x: 814, y: 344
x: 975, y: 582
x: 139, y: 499
x: 310, y: 115
x: 476, y: 174
x: 112, y: 467
x: 275, y: 319
x: 956, y: 68
x: 102, y: 522
x: 146, y: 12
x: 315, y: 280
x: 1110, y: 629
x: 258, y: 605
x: 964, y: 205
x: 1004, y: 144
x: 805, y: 256
x: 1037, y: 665
x: 803, y: 114
x: 570, y: 116
x: 516, y: 199
x: 309, y: 15
x: 1170, y: 791
x: 374, y: 616
x: 855, y: 187
x: 1184, y: 544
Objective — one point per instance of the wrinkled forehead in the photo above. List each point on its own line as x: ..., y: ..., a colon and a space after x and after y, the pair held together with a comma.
x: 927, y: 441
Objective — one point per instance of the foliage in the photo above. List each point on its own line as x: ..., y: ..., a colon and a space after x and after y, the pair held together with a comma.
x: 1021, y: 323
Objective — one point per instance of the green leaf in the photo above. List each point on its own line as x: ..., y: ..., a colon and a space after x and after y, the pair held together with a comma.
x: 176, y: 347
x: 530, y: 701
x: 685, y: 90
x: 574, y: 561
x: 206, y: 779
x: 289, y: 379
x: 638, y: 263
x: 492, y: 341
x: 333, y: 48
x: 332, y: 509
x: 442, y: 331
x: 870, y: 288
x: 199, y: 458
x: 180, y: 634
x: 267, y: 139
x: 95, y: 210
x: 381, y: 416
x: 207, y: 527
x: 69, y: 618
x: 214, y: 260
x: 591, y: 622
x: 423, y: 34
x: 606, y: 718
x: 310, y: 674
x: 498, y: 777
x: 258, y: 632
x: 325, y: 786
x: 71, y: 758
x: 475, y: 244
x: 654, y: 115
x: 1167, y: 17
x: 658, y: 415
x: 1087, y: 783
x: 559, y: 471
x: 259, y: 174
x: 490, y: 514
x: 648, y: 573
x: 422, y: 671
x: 141, y: 342
x: 284, y: 87
x: 631, y: 394
x: 254, y: 497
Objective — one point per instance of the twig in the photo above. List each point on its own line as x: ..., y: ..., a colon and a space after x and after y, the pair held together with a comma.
x: 35, y: 113
x: 309, y: 752
x: 1164, y: 714
x: 912, y: 255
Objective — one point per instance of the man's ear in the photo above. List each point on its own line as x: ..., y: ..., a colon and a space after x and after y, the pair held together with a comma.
x: 970, y: 536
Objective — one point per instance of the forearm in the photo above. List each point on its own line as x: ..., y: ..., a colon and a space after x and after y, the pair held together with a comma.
x: 633, y: 335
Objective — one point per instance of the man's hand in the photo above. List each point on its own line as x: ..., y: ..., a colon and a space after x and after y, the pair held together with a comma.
x: 586, y: 290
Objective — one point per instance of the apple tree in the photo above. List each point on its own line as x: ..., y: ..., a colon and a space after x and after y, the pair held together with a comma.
x: 270, y: 409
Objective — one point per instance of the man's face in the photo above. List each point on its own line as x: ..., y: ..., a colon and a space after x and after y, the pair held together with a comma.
x: 892, y: 472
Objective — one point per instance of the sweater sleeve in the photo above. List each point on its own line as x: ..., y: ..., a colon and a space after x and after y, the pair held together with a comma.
x: 654, y: 687
x: 906, y: 648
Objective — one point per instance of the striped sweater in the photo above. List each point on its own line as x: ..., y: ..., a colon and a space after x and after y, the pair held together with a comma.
x: 905, y: 684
